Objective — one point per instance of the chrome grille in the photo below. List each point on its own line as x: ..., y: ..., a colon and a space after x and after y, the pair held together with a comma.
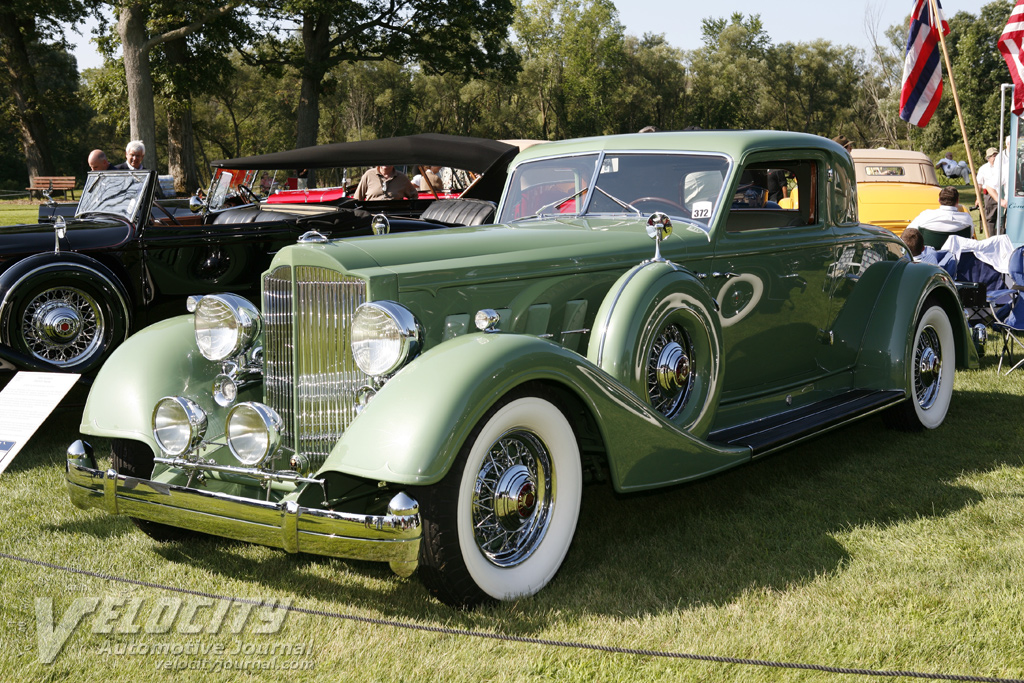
x: 310, y: 377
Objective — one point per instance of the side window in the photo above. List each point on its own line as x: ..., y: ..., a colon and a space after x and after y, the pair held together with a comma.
x: 844, y: 197
x: 774, y: 195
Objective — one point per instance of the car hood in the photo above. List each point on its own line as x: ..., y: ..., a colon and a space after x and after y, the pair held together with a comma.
x: 79, y: 235
x: 509, y: 251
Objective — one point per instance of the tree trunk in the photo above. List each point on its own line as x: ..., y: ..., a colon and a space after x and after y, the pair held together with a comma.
x: 315, y: 41
x: 181, y: 158
x: 131, y: 27
x: 19, y: 74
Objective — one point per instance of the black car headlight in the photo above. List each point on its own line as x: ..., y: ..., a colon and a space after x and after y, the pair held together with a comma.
x: 226, y: 325
x: 385, y: 335
x: 253, y: 432
x: 179, y: 425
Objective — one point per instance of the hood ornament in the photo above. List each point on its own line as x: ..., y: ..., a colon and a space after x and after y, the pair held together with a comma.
x: 659, y: 228
x: 380, y: 225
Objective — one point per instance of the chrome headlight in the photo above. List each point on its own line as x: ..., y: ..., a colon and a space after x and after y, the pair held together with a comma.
x: 254, y: 432
x: 384, y: 336
x: 179, y: 425
x: 226, y: 325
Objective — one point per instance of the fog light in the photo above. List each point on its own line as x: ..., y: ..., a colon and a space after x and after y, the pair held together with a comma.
x: 253, y: 432
x: 225, y: 391
x: 179, y: 425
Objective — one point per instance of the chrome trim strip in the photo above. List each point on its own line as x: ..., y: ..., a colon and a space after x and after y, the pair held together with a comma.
x: 393, y: 538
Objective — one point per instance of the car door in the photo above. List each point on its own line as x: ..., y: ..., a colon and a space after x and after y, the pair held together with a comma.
x: 769, y: 275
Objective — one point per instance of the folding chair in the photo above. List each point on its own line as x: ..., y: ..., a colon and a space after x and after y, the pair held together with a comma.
x: 1008, y: 308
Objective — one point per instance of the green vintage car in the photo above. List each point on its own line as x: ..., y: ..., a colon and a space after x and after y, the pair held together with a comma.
x: 642, y: 315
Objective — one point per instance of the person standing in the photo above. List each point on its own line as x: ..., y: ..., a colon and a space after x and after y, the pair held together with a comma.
x: 134, y: 153
x: 988, y: 179
x: 98, y: 160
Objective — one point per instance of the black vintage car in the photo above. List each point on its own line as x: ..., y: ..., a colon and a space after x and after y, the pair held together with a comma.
x: 74, y: 287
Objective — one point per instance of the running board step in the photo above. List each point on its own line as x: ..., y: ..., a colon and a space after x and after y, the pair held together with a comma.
x: 772, y: 433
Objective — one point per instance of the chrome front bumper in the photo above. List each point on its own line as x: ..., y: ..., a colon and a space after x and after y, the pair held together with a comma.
x: 392, y: 538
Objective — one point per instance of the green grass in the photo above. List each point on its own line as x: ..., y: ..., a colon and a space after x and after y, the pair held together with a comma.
x: 19, y: 211
x: 866, y: 548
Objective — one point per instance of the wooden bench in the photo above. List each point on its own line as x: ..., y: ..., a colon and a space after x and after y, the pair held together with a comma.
x: 64, y: 183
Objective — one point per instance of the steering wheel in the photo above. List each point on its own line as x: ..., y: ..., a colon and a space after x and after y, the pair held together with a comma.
x: 167, y: 213
x: 662, y: 200
x: 251, y: 196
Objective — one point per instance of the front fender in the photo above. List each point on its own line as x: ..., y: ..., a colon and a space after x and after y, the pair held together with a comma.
x: 160, y: 360
x: 412, y: 430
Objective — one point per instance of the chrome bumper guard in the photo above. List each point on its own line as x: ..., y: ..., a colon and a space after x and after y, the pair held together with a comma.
x: 392, y: 538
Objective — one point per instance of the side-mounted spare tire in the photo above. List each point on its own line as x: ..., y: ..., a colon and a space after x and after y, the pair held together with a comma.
x: 658, y: 332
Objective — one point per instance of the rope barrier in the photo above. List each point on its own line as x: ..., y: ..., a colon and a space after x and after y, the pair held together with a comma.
x: 610, y: 649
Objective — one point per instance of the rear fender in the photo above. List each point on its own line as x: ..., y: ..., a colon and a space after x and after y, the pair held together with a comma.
x: 412, y: 430
x: 889, y: 332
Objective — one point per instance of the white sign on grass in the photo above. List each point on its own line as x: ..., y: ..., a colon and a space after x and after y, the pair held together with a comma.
x: 25, y: 403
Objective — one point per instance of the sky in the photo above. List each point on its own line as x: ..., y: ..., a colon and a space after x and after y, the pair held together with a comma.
x: 795, y: 21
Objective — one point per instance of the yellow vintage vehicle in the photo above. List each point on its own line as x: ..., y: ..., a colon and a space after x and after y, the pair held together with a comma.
x: 894, y: 186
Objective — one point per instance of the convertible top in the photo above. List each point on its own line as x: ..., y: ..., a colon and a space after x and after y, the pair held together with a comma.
x: 467, y: 153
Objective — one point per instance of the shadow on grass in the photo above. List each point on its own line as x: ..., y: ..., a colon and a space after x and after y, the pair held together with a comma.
x: 770, y: 525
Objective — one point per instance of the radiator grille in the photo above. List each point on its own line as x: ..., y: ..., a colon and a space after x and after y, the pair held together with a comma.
x: 310, y: 377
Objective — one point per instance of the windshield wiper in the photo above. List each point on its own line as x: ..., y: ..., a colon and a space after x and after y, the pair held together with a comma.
x: 625, y: 205
x: 558, y: 202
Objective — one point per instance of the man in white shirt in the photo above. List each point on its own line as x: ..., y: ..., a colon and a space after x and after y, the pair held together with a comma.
x: 988, y: 178
x: 947, y: 218
x: 952, y: 169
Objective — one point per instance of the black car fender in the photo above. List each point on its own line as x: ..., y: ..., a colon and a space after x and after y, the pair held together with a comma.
x: 64, y: 262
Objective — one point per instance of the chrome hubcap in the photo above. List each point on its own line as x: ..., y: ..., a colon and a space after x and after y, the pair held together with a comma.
x: 513, y: 499
x: 928, y: 365
x: 57, y: 322
x: 62, y: 326
x: 669, y: 371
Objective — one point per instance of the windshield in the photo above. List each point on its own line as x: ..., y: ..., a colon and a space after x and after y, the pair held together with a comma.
x: 114, y: 192
x: 224, y: 190
x: 686, y: 186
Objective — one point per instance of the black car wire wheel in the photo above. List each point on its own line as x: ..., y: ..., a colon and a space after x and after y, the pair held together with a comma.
x: 62, y: 325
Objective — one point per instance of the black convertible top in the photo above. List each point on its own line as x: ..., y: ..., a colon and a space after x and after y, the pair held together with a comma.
x: 467, y: 153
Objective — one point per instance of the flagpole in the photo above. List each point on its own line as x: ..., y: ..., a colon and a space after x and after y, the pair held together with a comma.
x: 979, y: 197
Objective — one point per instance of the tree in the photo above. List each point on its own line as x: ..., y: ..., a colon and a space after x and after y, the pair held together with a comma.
x: 143, y: 25
x: 728, y: 73
x: 22, y: 25
x: 464, y: 36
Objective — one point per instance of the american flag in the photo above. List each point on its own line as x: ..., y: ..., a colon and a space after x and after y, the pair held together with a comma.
x: 922, y: 72
x: 1010, y: 44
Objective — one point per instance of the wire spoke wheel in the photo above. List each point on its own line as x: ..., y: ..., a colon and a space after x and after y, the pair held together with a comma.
x: 512, y: 499
x: 669, y: 376
x: 62, y: 325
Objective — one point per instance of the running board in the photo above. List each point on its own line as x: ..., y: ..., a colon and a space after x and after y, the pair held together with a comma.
x: 772, y: 433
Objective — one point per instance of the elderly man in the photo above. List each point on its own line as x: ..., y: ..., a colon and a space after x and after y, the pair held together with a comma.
x: 382, y: 183
x: 134, y: 153
x: 98, y: 160
x: 954, y: 169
